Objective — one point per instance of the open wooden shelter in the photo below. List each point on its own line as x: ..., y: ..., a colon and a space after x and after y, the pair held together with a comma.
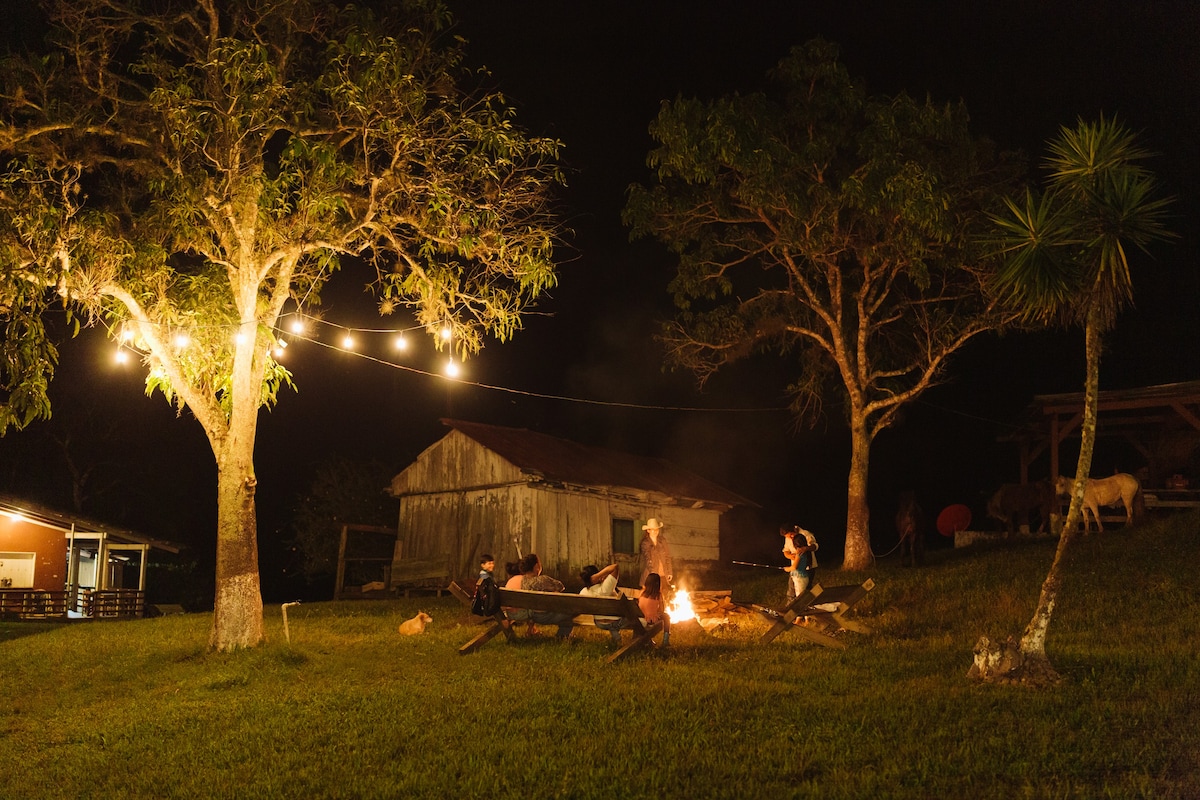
x: 1160, y: 423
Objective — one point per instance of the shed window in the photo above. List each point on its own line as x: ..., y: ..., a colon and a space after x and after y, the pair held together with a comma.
x: 622, y: 536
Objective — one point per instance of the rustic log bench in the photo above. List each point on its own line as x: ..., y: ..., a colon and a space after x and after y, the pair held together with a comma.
x: 582, y: 608
x: 825, y: 610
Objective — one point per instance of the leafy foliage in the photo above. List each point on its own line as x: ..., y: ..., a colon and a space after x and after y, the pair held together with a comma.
x: 342, y: 491
x: 179, y: 171
x: 839, y: 230
x: 820, y: 218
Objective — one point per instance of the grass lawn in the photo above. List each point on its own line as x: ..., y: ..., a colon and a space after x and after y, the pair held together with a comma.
x: 349, y: 709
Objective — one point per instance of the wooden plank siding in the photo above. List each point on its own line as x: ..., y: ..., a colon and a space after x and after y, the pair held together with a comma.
x: 461, y: 498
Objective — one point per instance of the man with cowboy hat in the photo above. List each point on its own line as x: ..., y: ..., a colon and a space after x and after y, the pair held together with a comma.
x: 656, y: 555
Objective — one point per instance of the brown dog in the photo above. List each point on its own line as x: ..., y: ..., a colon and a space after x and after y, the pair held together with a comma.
x: 415, y: 625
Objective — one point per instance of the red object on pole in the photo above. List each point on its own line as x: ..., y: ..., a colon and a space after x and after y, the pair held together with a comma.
x: 952, y: 519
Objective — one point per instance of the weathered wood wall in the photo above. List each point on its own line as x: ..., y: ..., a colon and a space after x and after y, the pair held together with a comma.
x: 459, y: 498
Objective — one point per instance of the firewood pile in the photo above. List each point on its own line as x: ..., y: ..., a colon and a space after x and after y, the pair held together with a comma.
x: 716, y: 608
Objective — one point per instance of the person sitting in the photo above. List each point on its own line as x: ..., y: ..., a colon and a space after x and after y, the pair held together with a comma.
x: 603, y: 583
x: 654, y: 606
x: 513, y: 568
x: 532, y: 580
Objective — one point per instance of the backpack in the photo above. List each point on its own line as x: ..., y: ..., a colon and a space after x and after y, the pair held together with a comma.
x: 486, y: 601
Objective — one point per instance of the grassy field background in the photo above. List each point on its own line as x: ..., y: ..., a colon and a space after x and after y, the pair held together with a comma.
x: 349, y: 709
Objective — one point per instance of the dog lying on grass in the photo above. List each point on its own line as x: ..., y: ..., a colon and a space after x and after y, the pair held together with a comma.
x: 415, y: 625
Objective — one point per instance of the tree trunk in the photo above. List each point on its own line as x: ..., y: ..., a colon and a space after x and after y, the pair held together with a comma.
x: 238, y: 606
x: 1029, y: 663
x: 1033, y: 643
x: 237, y: 612
x: 858, y: 516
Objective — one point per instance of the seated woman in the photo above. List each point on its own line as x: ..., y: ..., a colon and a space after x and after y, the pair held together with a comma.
x: 533, y: 580
x: 603, y: 583
x: 654, y: 606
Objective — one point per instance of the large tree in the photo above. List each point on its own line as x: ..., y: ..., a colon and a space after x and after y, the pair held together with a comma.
x: 1067, y: 263
x: 837, y: 229
x: 184, y: 172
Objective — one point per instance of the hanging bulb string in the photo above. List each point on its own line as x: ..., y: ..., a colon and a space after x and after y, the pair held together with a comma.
x: 525, y: 393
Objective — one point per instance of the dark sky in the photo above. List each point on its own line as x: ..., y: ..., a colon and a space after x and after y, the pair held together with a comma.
x: 593, y: 74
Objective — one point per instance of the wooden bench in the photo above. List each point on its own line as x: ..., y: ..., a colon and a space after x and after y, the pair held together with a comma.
x: 825, y: 610
x: 581, y: 608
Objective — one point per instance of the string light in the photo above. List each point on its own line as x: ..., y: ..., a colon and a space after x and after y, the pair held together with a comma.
x: 452, y: 368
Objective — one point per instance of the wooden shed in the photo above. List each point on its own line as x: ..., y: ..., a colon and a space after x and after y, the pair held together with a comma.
x: 58, y: 565
x: 504, y: 491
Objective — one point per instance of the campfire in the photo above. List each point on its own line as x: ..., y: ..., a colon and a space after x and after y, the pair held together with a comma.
x: 708, y: 609
x: 681, y: 608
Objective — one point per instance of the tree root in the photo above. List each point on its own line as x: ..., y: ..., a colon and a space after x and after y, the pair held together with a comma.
x: 1005, y: 663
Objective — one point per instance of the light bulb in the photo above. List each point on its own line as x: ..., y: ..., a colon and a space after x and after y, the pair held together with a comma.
x: 297, y: 325
x: 451, y: 368
x: 348, y: 342
x: 122, y: 356
x: 401, y: 343
x: 446, y: 333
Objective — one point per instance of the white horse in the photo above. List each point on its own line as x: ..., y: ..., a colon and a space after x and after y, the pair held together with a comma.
x: 1119, y: 488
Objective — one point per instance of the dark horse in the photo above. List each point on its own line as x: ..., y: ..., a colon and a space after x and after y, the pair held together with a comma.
x: 909, y: 520
x: 1015, y: 503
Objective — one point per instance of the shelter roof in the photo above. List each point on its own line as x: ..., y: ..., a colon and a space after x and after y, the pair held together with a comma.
x: 82, y: 526
x: 1121, y: 410
x: 563, y: 461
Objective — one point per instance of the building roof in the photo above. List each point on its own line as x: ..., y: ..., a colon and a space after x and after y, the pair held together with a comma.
x: 13, y: 506
x: 562, y: 461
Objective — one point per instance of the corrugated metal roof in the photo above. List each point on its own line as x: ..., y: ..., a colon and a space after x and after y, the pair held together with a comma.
x: 564, y: 461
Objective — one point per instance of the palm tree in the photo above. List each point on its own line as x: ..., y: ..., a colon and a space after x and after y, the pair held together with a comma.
x: 1067, y: 264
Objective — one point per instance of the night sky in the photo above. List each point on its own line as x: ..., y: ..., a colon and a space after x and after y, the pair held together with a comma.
x: 593, y: 74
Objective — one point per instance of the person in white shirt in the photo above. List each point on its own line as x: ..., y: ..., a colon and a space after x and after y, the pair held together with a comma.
x: 603, y: 583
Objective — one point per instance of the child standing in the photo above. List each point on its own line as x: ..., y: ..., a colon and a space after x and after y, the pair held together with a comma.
x: 654, y: 606
x: 799, y: 548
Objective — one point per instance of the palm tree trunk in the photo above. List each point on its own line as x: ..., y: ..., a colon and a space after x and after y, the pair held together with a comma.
x: 1033, y: 642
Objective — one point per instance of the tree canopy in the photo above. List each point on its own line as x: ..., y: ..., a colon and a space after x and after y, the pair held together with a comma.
x: 839, y: 230
x: 183, y: 171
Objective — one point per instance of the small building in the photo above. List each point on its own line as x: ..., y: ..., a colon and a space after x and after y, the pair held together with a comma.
x: 56, y: 565
x: 506, y: 491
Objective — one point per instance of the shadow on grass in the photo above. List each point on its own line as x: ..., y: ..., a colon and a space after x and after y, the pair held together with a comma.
x: 15, y: 630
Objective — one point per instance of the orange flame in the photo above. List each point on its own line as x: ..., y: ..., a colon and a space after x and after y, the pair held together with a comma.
x: 681, y: 606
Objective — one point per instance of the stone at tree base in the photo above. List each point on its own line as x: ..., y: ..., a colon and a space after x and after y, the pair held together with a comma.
x: 1003, y: 662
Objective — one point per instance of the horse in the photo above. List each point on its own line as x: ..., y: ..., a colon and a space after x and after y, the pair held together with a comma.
x: 1122, y: 487
x: 909, y: 519
x: 1013, y: 502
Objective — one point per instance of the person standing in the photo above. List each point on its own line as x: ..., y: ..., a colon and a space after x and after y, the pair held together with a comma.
x: 655, y: 553
x: 799, y: 548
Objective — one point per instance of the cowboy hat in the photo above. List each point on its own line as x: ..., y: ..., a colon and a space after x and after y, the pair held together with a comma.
x: 651, y: 523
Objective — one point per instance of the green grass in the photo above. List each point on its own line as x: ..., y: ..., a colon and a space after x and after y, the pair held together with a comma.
x: 349, y: 709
